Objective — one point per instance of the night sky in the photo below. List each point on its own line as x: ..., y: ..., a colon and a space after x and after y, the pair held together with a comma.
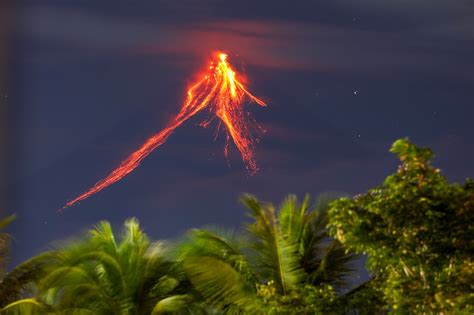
x: 90, y: 81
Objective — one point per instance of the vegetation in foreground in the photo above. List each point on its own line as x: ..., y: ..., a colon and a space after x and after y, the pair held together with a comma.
x: 415, y: 230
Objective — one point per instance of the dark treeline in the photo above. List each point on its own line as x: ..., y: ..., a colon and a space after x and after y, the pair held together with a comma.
x: 296, y: 258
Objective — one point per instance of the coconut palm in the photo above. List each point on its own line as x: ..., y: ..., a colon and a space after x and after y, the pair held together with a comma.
x: 99, y: 275
x: 282, y: 263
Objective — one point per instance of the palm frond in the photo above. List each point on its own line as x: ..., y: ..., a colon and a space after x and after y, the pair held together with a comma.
x: 6, y: 221
x: 172, y: 304
x: 164, y: 286
x: 102, y: 236
x: 100, y: 275
x: 224, y: 246
x: 218, y: 282
x: 312, y: 241
x: 16, y: 282
x: 276, y: 255
x: 26, y: 306
x: 291, y: 217
x: 336, y: 266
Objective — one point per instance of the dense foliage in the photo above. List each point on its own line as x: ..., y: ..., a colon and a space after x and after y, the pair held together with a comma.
x: 418, y: 233
x: 281, y: 264
x: 98, y: 275
x: 415, y: 229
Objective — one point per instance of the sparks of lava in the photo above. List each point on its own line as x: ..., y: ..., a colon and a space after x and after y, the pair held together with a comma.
x: 220, y: 91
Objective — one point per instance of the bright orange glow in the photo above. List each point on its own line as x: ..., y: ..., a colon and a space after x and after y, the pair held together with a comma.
x: 220, y: 91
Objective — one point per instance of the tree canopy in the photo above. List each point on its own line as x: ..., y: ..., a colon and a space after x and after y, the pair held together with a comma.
x: 282, y: 263
x: 99, y: 275
x: 418, y: 233
x: 416, y: 230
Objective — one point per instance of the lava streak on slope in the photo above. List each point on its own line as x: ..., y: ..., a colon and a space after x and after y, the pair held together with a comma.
x: 221, y: 92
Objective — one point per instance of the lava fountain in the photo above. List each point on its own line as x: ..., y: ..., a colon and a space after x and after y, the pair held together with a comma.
x: 223, y: 93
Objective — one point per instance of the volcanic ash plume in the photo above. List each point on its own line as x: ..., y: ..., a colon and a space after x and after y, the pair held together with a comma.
x: 220, y: 91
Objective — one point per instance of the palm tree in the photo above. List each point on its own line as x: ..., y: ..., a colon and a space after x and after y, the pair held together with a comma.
x: 99, y: 275
x: 283, y: 263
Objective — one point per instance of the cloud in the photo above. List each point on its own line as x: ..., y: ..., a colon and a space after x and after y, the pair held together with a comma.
x: 456, y: 29
x: 268, y: 43
x: 81, y: 28
x: 414, y: 7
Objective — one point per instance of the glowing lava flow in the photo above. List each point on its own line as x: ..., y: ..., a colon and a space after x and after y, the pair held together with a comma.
x: 224, y: 95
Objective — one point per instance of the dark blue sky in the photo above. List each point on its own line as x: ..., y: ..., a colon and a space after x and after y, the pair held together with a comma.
x: 89, y: 81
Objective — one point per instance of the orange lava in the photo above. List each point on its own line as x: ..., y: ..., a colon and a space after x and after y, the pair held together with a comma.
x: 224, y: 95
